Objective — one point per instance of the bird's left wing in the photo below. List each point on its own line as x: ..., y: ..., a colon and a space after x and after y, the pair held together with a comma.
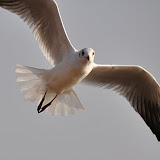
x: 44, y: 19
x: 134, y: 83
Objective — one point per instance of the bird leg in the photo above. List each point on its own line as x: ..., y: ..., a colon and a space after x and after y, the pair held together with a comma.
x: 40, y: 104
x: 41, y: 109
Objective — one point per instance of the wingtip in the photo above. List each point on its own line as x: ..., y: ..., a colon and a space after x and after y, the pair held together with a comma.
x: 158, y: 137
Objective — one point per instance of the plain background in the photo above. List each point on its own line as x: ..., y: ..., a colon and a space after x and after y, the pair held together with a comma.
x: 121, y: 32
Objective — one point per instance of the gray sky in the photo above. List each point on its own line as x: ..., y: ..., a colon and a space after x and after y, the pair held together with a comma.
x: 121, y: 32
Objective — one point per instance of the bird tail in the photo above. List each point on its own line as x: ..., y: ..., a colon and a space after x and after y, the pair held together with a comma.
x: 33, y: 86
x: 31, y: 82
x: 64, y: 104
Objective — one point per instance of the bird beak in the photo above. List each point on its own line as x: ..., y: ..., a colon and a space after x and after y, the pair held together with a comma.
x: 87, y: 58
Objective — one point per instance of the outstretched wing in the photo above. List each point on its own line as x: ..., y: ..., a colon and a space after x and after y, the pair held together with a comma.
x: 43, y: 18
x: 136, y: 84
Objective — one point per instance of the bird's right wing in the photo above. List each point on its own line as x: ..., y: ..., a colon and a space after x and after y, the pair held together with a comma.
x: 43, y: 18
x: 134, y: 83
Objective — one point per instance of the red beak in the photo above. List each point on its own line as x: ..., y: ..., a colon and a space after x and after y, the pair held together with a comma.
x: 87, y: 58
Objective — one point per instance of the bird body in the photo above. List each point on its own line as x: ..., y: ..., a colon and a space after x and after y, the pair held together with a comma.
x: 54, y: 87
x: 57, y: 82
x: 68, y: 73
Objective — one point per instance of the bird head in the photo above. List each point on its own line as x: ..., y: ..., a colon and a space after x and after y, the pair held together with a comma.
x: 87, y: 55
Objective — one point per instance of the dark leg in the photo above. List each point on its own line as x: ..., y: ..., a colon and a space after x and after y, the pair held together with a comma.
x: 40, y: 104
x: 47, y: 105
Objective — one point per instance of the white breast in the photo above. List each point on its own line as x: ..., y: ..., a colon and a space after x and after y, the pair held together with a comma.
x: 66, y: 74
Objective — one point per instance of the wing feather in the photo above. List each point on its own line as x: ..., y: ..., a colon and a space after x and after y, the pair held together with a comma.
x: 137, y: 85
x: 43, y: 17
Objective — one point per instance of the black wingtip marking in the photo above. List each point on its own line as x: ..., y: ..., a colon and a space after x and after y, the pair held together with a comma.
x: 151, y: 117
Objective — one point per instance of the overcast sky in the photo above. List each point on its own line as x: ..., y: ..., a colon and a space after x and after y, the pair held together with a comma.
x: 120, y: 32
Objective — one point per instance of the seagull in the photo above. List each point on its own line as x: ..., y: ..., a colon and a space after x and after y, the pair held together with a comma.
x: 55, y: 87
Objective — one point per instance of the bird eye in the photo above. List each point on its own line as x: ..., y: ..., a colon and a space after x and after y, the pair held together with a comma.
x: 82, y: 53
x: 93, y: 53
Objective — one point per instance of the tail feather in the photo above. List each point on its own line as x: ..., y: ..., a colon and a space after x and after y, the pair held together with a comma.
x: 30, y: 70
x: 65, y: 104
x: 30, y: 80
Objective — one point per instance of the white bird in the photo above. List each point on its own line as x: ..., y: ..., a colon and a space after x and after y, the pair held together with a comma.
x: 54, y: 87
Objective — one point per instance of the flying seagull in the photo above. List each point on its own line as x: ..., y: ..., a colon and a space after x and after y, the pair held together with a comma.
x: 54, y: 87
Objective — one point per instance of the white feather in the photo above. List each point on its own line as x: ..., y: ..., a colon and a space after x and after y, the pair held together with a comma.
x: 44, y: 19
x: 30, y: 80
